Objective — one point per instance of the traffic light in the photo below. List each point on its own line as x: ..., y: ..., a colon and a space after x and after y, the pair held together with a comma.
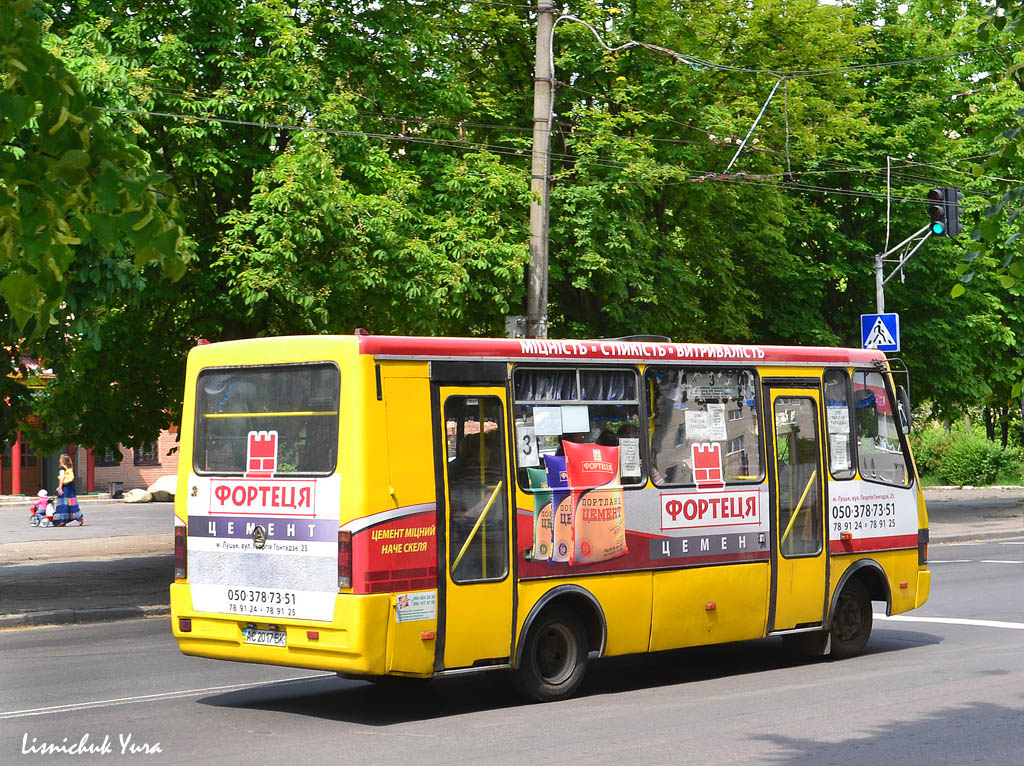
x: 944, y: 208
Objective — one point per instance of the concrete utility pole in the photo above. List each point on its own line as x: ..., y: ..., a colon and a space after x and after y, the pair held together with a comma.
x: 543, y: 94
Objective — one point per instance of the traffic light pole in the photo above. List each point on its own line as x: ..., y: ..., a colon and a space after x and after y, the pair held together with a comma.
x: 880, y: 260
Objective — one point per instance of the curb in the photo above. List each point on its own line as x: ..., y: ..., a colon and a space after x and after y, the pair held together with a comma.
x: 1003, y: 487
x: 970, y: 537
x: 82, y: 616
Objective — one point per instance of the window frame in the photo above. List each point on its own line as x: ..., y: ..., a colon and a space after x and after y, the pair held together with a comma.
x: 101, y: 461
x: 854, y: 468
x: 638, y: 380
x: 141, y: 455
x: 197, y: 416
x: 818, y: 519
x: 887, y: 383
x: 759, y: 419
x: 508, y: 496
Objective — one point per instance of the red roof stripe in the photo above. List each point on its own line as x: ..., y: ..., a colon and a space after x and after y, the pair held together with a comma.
x: 606, y: 349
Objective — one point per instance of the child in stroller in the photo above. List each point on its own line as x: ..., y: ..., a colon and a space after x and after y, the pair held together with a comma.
x: 42, y: 510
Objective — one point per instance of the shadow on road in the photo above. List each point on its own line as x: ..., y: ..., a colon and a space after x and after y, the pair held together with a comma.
x: 394, y: 703
x: 921, y: 739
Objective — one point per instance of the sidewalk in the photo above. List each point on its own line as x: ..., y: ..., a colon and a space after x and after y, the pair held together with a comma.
x: 89, y: 579
x: 25, y: 500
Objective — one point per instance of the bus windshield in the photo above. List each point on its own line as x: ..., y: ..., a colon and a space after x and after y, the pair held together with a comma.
x: 298, y: 401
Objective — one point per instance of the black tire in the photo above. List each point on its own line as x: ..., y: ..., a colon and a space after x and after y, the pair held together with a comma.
x: 851, y: 621
x: 554, y: 657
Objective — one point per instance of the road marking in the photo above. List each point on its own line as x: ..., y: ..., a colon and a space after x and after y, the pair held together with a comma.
x: 152, y: 697
x: 953, y: 621
x: 995, y: 561
x: 951, y: 561
x: 1013, y: 542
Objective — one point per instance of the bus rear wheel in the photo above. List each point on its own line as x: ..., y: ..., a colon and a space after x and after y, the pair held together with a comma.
x: 851, y: 622
x: 554, y: 657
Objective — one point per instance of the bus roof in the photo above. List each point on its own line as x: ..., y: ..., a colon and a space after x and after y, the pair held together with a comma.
x: 608, y: 349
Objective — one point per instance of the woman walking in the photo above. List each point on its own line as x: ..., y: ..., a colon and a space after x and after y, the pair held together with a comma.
x: 67, y: 509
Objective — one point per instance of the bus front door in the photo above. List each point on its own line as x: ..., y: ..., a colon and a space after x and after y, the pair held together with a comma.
x: 799, y: 560
x: 476, y: 603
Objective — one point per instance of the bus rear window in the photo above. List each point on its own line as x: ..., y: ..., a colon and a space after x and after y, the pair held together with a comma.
x: 298, y: 401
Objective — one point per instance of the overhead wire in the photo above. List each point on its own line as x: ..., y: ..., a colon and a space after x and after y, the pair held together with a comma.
x: 768, y: 180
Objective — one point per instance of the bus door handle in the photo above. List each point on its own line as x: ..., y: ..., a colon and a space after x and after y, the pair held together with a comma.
x: 479, y: 521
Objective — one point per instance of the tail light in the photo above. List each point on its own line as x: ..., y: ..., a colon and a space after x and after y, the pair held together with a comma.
x: 344, y: 559
x: 180, y: 550
x: 922, y: 547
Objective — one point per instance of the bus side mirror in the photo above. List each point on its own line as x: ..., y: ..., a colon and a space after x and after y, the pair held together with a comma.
x: 906, y: 416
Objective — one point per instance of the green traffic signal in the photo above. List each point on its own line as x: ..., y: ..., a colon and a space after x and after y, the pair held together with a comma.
x: 944, y: 209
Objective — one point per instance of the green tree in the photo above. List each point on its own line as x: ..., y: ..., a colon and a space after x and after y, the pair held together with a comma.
x: 75, y: 198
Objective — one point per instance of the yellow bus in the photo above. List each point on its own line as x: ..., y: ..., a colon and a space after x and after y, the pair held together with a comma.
x: 415, y: 507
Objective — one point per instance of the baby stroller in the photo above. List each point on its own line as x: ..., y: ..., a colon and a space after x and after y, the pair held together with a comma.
x: 42, y: 510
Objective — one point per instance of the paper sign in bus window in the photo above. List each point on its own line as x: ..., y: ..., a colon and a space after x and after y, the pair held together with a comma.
x: 527, y: 454
x: 716, y: 424
x: 839, y: 452
x: 706, y: 425
x: 575, y: 419
x: 629, y: 457
x: 547, y: 421
x: 838, y: 419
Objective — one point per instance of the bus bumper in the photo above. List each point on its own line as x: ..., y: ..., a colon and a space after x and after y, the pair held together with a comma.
x: 355, y: 642
x: 924, y: 586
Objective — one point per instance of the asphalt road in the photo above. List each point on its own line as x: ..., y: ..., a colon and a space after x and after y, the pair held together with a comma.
x: 942, y: 685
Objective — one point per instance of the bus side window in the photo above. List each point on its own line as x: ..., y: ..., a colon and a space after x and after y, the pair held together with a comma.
x: 837, y: 422
x: 879, y: 449
x: 690, y: 406
x: 478, y: 524
x: 596, y: 406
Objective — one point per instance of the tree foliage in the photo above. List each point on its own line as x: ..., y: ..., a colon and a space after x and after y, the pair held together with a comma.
x: 342, y: 164
x: 78, y: 202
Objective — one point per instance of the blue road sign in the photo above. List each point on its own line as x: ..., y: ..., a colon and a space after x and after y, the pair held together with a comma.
x: 881, y: 331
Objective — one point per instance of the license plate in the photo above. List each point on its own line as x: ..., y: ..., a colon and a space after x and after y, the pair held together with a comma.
x: 264, y: 637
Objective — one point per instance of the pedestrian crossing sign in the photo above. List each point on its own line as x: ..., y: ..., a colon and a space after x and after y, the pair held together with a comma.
x: 880, y: 331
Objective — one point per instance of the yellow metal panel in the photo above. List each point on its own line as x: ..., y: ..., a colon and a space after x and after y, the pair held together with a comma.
x: 355, y: 642
x: 924, y: 587
x: 681, y: 598
x: 408, y: 650
x: 899, y: 567
x: 409, y: 443
x: 624, y: 598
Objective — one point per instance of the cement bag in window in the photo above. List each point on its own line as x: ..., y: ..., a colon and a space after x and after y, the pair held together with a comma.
x: 541, y: 514
x: 599, y: 519
x: 561, y: 508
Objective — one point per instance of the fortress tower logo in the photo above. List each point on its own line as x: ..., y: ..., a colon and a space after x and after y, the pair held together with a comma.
x: 261, y: 458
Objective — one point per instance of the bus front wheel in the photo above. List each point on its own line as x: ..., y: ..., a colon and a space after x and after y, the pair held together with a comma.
x: 851, y: 622
x: 554, y: 657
